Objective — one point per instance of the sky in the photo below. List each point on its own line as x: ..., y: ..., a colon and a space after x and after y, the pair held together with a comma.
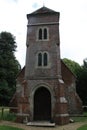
x: 73, y: 25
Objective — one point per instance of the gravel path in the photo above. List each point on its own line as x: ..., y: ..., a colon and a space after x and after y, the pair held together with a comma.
x: 71, y: 126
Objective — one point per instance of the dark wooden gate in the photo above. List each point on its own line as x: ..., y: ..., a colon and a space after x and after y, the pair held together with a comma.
x: 42, y: 104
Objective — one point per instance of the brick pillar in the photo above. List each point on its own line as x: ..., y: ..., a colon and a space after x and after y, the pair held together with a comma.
x: 61, y: 108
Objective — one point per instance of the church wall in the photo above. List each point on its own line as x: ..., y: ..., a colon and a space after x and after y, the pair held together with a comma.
x: 58, y: 102
x: 74, y: 101
x: 36, y: 46
x: 43, y: 18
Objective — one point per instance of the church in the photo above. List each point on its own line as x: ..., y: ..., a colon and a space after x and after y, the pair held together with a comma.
x: 45, y: 89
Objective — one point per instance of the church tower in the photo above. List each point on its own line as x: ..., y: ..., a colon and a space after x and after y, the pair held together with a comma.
x: 46, y: 90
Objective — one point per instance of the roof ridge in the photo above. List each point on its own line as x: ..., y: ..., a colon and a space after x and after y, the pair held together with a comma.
x: 43, y: 10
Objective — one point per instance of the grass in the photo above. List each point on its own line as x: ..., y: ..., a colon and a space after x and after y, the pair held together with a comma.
x: 2, y: 127
x: 84, y: 127
x: 11, y: 117
x: 82, y: 118
x: 79, y: 119
x: 7, y: 116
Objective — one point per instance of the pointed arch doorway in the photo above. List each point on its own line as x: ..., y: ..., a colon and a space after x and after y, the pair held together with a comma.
x: 42, y: 104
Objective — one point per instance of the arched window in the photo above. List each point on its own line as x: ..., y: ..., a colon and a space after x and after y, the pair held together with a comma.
x: 40, y: 59
x: 45, y: 33
x: 45, y: 59
x: 40, y: 34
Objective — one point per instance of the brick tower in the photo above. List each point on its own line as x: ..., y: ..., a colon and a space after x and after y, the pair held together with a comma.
x: 45, y: 86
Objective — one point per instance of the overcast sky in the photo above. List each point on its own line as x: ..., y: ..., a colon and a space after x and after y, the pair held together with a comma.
x: 73, y: 25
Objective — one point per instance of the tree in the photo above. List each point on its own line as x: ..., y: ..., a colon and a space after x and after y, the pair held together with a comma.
x: 9, y: 67
x: 82, y: 83
x: 73, y: 66
x: 85, y: 63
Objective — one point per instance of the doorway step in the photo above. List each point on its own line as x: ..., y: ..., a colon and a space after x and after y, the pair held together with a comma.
x: 41, y: 123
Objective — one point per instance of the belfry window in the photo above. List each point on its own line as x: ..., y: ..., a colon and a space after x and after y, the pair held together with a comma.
x: 40, y: 34
x: 43, y: 33
x: 45, y: 59
x: 42, y: 59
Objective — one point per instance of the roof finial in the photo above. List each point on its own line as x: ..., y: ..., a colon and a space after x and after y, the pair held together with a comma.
x: 43, y: 4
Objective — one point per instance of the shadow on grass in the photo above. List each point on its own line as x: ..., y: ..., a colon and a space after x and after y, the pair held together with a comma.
x: 2, y: 127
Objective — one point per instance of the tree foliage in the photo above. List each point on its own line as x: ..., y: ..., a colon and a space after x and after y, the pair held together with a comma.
x: 82, y: 83
x: 73, y: 66
x: 9, y: 67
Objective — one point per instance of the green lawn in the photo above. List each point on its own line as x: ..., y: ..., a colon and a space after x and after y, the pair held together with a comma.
x: 79, y: 119
x: 7, y: 116
x: 84, y: 127
x: 9, y: 128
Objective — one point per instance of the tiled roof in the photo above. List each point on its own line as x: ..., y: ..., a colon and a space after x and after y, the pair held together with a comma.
x: 43, y: 10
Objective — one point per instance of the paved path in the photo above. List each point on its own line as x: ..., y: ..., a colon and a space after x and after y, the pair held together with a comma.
x: 71, y: 126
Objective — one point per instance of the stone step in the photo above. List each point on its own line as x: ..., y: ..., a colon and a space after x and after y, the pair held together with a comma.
x: 41, y: 123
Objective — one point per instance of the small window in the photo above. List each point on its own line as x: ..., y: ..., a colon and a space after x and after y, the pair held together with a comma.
x: 42, y: 59
x: 40, y: 34
x: 45, y: 33
x: 45, y: 59
x: 39, y: 59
